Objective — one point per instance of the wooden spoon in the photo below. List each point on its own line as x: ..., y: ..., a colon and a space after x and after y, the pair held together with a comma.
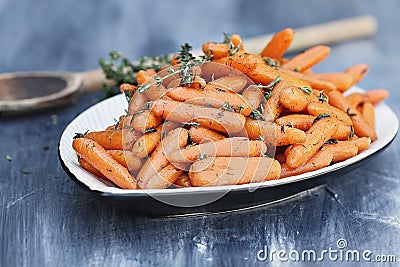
x: 28, y: 91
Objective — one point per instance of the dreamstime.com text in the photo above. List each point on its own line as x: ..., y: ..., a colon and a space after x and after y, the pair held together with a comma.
x: 339, y: 253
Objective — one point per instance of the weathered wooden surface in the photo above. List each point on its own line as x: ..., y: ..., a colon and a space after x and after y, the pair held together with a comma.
x: 46, y: 219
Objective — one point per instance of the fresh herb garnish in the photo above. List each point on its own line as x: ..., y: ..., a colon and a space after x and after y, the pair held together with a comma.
x: 121, y: 70
x: 227, y: 106
x: 268, y: 88
x: 193, y: 123
x: 261, y: 138
x: 331, y: 141
x: 306, y: 89
x: 323, y: 97
x: 80, y: 135
x: 227, y: 38
x: 238, y: 109
x: 351, y: 135
x: 149, y: 130
x: 270, y: 62
x: 202, y: 156
x: 256, y: 115
x: 321, y: 116
x: 350, y: 114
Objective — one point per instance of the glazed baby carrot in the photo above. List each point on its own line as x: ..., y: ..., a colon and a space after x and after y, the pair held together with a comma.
x: 272, y: 133
x: 300, y: 121
x: 265, y: 74
x: 241, y: 61
x: 174, y: 140
x: 216, y: 119
x: 342, y: 81
x: 164, y: 178
x: 375, y: 96
x: 357, y: 72
x: 168, y: 126
x: 341, y: 151
x: 98, y: 157
x: 110, y: 139
x: 361, y: 127
x: 355, y: 99
x: 320, y: 132
x: 279, y: 43
x: 272, y: 107
x: 90, y: 168
x: 216, y: 98
x: 230, y: 171
x: 314, y: 82
x: 216, y: 50
x: 253, y: 96
x: 361, y: 143
x: 343, y: 132
x: 231, y: 83
x: 137, y: 102
x: 201, y: 134
x: 317, y: 108
x: 236, y: 40
x: 126, y: 87
x: 126, y: 159
x: 307, y: 59
x: 228, y: 147
x: 368, y: 113
x: 145, y: 144
x: 319, y: 160
x: 145, y: 120
x: 155, y: 90
x: 296, y: 99
x: 129, y: 137
x: 183, y: 180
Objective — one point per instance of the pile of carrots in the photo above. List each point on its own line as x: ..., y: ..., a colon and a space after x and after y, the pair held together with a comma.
x: 278, y: 118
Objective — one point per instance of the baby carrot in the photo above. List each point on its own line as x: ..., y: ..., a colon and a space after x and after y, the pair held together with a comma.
x: 216, y: 98
x: 272, y: 133
x: 126, y: 159
x: 368, y: 113
x: 98, y: 157
x: 317, y: 108
x: 216, y: 50
x: 90, y: 168
x: 183, y: 181
x: 110, y: 139
x: 155, y: 90
x: 272, y: 107
x: 343, y: 132
x: 357, y: 72
x: 361, y: 127
x: 341, y: 151
x: 296, y: 99
x: 201, y: 134
x: 361, y: 143
x: 126, y: 87
x: 342, y: 81
x: 355, y: 99
x: 143, y: 121
x: 241, y: 61
x: 230, y: 171
x: 319, y: 160
x: 174, y: 140
x: 228, y: 147
x: 137, y: 102
x: 216, y: 119
x: 164, y: 178
x: 279, y: 43
x: 299, y: 121
x: 253, y: 96
x: 230, y: 83
x: 145, y: 144
x: 375, y: 96
x: 320, y: 132
x: 314, y: 82
x: 308, y: 58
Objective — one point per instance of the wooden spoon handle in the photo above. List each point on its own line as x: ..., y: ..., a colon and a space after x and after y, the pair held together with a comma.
x: 324, y: 34
x: 93, y: 80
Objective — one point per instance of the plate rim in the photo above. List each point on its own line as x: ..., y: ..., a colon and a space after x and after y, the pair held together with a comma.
x: 219, y: 189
